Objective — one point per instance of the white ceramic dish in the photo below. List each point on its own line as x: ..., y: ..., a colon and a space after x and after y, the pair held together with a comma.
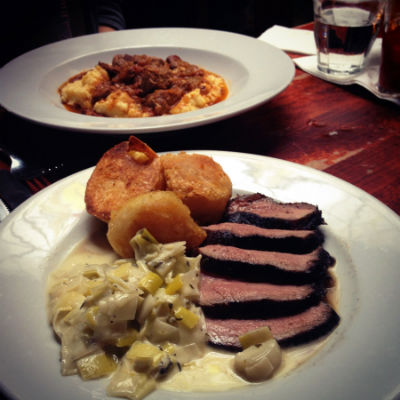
x: 360, y: 360
x: 254, y: 70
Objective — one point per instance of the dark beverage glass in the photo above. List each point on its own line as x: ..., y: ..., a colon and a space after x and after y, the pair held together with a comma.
x: 389, y: 73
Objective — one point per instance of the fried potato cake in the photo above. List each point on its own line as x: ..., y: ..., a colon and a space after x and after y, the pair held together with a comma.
x: 162, y: 213
x: 200, y: 183
x: 126, y: 170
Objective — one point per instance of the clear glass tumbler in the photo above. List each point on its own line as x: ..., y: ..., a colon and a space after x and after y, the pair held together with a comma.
x: 344, y: 33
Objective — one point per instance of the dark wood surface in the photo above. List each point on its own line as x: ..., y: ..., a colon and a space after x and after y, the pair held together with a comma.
x: 344, y: 131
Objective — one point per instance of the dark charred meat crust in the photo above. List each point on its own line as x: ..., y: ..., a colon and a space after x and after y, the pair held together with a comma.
x: 260, y: 210
x: 227, y: 298
x: 311, y: 324
x: 253, y: 237
x: 265, y: 266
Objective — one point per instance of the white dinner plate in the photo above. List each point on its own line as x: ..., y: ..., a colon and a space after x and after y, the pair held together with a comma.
x: 254, y: 70
x: 360, y: 359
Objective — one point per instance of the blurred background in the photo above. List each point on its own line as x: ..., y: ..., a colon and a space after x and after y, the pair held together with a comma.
x: 249, y: 17
x: 29, y: 24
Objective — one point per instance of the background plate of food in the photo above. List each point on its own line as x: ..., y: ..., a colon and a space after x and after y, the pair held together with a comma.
x: 359, y: 359
x: 253, y: 71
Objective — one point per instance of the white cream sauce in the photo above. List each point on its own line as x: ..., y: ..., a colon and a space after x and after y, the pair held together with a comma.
x: 213, y: 372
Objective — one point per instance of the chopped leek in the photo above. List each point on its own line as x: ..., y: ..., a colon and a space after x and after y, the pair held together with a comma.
x: 151, y: 282
x: 95, y: 366
x: 122, y: 271
x: 127, y: 340
x: 186, y: 317
x: 91, y: 316
x: 256, y: 336
x: 144, y: 355
x: 174, y: 286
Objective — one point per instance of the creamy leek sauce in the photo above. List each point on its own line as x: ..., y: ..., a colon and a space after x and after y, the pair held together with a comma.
x: 94, y: 250
x: 212, y: 372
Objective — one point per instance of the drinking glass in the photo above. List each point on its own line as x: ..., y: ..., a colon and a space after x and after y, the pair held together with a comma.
x: 389, y: 74
x: 344, y: 32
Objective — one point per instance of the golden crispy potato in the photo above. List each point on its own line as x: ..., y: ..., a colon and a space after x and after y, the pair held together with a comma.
x: 200, y: 183
x: 162, y: 213
x: 124, y: 171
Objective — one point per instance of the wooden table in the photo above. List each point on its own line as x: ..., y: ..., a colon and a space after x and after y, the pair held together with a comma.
x: 344, y: 131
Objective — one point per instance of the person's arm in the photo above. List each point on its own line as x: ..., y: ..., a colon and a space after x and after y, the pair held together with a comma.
x: 105, y: 28
x: 109, y: 15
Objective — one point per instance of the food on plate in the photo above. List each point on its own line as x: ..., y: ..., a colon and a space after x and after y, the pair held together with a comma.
x: 264, y: 283
x: 289, y: 330
x: 129, y: 318
x: 260, y: 357
x: 158, y: 309
x: 77, y: 92
x: 239, y: 299
x: 253, y: 237
x: 258, y: 265
x: 126, y: 170
x: 261, y: 210
x: 132, y: 167
x: 142, y: 86
x: 220, y: 296
x: 162, y: 213
x: 200, y: 183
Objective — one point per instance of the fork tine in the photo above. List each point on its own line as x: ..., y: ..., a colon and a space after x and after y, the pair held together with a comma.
x: 42, y: 181
x: 32, y: 186
x: 37, y: 183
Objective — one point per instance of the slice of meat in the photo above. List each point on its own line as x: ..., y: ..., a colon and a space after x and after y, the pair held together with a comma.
x: 291, y: 330
x: 265, y: 266
x: 227, y: 298
x: 260, y: 210
x: 253, y: 237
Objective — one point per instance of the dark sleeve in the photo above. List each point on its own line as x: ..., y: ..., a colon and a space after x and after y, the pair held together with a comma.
x: 109, y: 12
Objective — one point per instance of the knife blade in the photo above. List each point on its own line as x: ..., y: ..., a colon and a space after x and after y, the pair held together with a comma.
x: 12, y: 191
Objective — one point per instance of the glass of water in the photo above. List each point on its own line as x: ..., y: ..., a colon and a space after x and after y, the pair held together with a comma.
x: 344, y: 32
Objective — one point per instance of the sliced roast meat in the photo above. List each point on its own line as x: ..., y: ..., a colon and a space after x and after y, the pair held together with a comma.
x: 253, y: 237
x: 258, y: 209
x: 228, y: 298
x: 296, y: 329
x: 265, y: 266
